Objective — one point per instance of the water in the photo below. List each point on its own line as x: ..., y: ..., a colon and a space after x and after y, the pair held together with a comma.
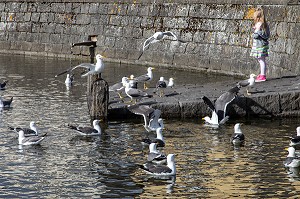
x: 67, y: 165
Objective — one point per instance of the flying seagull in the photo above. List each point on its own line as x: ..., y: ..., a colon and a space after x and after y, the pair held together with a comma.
x: 219, y: 107
x: 161, y: 170
x: 92, y: 68
x: 151, y: 116
x: 237, y: 137
x: 88, y: 131
x: 158, y: 36
x: 247, y: 83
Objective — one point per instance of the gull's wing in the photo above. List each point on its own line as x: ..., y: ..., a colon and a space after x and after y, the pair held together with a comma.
x: 243, y: 83
x: 142, y: 78
x: 223, y: 101
x: 84, y: 65
x: 171, y: 34
x: 208, y: 103
x: 148, y: 42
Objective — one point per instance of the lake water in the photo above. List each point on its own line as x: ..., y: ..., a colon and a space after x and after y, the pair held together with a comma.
x: 67, y: 165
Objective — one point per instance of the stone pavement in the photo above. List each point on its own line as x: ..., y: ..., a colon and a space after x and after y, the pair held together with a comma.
x: 278, y: 97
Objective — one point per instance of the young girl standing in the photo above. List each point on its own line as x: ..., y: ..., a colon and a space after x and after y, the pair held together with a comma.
x: 260, y: 46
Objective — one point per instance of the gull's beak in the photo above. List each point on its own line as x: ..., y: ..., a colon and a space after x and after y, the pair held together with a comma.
x: 286, y: 148
x: 203, y: 118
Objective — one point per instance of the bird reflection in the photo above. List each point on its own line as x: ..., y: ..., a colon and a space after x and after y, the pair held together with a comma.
x: 293, y: 172
x: 169, y: 180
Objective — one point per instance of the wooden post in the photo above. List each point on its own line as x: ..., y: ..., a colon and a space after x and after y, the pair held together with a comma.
x: 97, y: 94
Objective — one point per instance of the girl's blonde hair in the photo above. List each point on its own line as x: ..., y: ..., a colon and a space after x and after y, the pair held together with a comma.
x: 259, y: 16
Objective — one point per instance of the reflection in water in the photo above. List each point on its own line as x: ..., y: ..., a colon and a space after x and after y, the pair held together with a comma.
x: 106, y: 166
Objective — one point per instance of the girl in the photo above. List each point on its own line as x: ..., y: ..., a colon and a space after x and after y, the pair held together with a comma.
x: 260, y: 46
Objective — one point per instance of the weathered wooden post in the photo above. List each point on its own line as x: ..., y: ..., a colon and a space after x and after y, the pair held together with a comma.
x: 97, y: 88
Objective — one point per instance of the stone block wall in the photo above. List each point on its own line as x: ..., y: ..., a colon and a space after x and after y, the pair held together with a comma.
x: 217, y: 33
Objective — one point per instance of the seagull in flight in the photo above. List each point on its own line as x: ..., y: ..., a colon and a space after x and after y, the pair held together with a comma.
x: 158, y: 36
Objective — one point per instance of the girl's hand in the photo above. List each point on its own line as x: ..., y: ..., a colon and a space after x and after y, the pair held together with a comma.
x: 257, y: 26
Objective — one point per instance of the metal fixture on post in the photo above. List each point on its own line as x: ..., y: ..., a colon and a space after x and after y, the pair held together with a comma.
x: 97, y: 87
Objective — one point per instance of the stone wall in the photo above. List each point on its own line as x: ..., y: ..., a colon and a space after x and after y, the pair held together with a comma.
x: 218, y: 33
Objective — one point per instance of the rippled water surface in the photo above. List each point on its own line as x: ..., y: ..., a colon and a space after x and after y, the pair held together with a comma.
x: 67, y: 165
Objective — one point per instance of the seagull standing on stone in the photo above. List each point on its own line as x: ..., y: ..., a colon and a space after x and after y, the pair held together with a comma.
x: 247, y: 83
x: 237, y: 137
x: 92, y: 68
x: 88, y: 131
x: 135, y: 94
x: 161, y: 85
x: 118, y: 87
x: 146, y: 77
x: 219, y: 108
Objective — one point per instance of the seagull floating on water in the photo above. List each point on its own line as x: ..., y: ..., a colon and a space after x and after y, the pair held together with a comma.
x: 237, y: 137
x: 32, y: 131
x: 69, y: 79
x: 161, y: 170
x: 92, y: 68
x: 5, y: 103
x: 32, y: 140
x: 291, y: 160
x: 159, y: 139
x: 155, y: 156
x: 247, y: 83
x: 219, y: 107
x: 295, y: 141
x: 151, y: 116
x: 88, y: 131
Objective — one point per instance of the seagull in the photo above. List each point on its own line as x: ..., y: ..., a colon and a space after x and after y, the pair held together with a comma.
x: 159, y: 139
x: 171, y: 82
x: 151, y: 116
x: 32, y: 131
x: 161, y: 85
x: 33, y: 140
x: 161, y: 170
x: 135, y: 94
x: 247, y: 83
x: 69, y: 79
x: 118, y: 87
x: 146, y: 77
x: 88, y: 131
x: 132, y: 82
x: 155, y: 156
x: 219, y: 108
x: 237, y: 137
x: 295, y: 141
x: 5, y: 103
x: 291, y: 160
x: 3, y: 84
x: 92, y: 68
